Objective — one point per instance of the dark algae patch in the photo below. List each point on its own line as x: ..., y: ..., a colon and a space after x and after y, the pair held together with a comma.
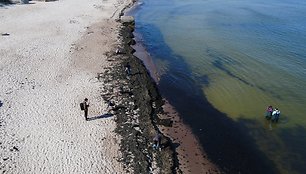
x: 135, y: 102
x: 226, y: 142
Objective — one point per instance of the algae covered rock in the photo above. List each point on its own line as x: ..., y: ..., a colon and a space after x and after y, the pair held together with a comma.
x: 127, y: 19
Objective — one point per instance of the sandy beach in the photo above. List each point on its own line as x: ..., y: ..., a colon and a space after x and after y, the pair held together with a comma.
x: 55, y: 54
x: 50, y: 55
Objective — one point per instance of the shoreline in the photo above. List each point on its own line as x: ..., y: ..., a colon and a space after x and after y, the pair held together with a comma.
x: 188, y: 160
x: 78, y: 61
x: 192, y: 158
x: 136, y: 104
x: 83, y: 66
x: 226, y: 142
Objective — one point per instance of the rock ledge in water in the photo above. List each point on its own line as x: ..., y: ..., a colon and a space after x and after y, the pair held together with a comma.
x: 127, y: 19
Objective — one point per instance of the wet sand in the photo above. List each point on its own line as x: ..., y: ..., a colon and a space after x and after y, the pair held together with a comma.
x: 192, y: 158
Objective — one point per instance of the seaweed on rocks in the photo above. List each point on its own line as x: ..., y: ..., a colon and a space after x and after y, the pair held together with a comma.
x: 135, y: 101
x: 6, y: 2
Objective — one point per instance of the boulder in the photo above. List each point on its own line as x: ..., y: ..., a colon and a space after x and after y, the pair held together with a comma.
x: 127, y: 19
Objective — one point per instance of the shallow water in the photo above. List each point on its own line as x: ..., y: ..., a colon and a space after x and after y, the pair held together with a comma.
x: 231, y: 59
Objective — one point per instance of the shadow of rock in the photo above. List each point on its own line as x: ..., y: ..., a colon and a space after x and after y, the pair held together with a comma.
x: 176, y: 145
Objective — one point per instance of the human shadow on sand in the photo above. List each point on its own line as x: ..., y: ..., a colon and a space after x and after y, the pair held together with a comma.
x: 107, y: 115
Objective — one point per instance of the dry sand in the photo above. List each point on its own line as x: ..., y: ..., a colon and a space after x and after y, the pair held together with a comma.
x: 48, y: 65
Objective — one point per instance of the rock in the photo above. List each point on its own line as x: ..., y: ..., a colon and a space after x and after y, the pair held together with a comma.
x: 137, y: 129
x: 132, y: 42
x: 50, y: 0
x: 166, y: 122
x: 15, y: 148
x: 120, y: 51
x: 127, y: 19
x: 24, y: 1
x: 135, y: 117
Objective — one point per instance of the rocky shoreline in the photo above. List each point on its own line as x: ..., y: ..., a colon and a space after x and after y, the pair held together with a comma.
x: 136, y: 103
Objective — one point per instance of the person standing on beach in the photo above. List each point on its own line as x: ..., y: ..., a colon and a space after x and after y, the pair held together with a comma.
x: 86, y: 105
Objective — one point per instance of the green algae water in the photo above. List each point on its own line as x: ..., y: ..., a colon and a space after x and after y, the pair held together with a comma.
x: 224, y: 62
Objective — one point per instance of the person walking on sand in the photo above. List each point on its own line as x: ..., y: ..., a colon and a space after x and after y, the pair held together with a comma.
x: 86, y: 105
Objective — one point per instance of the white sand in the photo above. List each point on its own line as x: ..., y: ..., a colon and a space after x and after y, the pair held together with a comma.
x: 48, y: 65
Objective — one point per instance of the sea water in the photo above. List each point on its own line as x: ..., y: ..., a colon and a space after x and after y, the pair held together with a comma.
x: 232, y: 59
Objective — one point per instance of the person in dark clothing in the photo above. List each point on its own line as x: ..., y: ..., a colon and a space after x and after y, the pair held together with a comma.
x: 275, y: 115
x: 157, y: 141
x: 86, y: 105
x: 269, y: 112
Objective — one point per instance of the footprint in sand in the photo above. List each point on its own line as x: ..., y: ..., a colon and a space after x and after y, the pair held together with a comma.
x: 73, y: 21
x: 98, y: 6
x: 9, y: 91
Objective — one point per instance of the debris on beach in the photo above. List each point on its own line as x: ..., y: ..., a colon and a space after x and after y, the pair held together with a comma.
x: 137, y: 104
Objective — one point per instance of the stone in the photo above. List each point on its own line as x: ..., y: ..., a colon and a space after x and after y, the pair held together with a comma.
x: 137, y: 129
x: 132, y: 42
x: 120, y: 51
x: 127, y: 19
x: 24, y: 1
